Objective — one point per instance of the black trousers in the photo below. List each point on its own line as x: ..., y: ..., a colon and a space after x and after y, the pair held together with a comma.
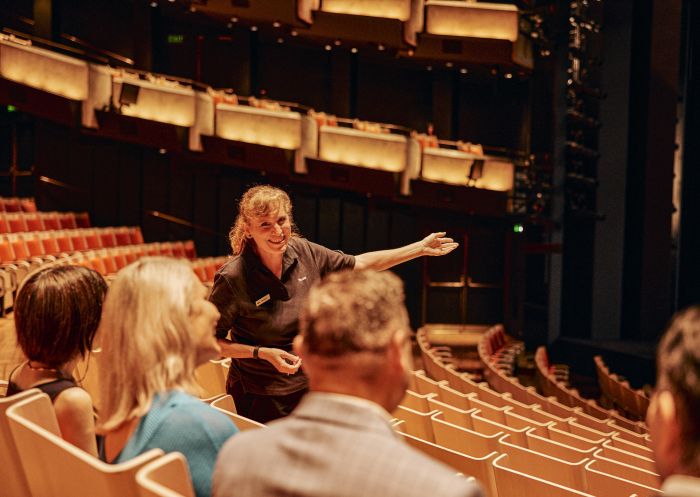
x: 262, y: 408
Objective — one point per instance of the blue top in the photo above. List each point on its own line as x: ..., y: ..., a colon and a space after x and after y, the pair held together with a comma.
x: 179, y: 422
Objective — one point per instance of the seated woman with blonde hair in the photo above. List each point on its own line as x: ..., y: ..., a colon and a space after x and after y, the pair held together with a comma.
x: 57, y: 312
x: 157, y: 327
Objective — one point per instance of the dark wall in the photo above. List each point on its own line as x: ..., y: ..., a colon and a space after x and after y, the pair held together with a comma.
x: 120, y: 184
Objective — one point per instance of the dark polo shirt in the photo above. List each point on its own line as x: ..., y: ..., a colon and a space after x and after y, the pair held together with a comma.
x: 261, y: 309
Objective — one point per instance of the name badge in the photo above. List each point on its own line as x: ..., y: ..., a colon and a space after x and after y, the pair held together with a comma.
x: 262, y: 300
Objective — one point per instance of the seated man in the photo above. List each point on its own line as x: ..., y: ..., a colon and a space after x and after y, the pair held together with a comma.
x: 355, y: 347
x: 672, y: 417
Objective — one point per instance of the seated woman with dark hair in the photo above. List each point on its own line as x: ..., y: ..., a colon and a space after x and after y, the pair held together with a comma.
x: 157, y: 327
x: 57, y: 312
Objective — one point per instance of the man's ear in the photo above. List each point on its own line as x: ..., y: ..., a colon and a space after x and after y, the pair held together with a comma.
x: 670, y: 441
x: 396, y: 357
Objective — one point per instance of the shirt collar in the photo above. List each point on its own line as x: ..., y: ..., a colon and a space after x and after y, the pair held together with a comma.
x: 354, y: 401
x: 289, y: 258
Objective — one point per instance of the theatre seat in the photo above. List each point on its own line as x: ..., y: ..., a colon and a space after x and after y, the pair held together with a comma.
x: 14, y: 483
x: 54, y: 467
x: 167, y: 476
x: 513, y: 481
x: 226, y: 405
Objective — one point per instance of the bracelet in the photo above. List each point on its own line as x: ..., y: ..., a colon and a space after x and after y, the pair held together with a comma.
x: 256, y: 352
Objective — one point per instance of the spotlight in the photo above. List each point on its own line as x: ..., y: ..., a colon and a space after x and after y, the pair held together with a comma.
x: 353, y: 50
x: 229, y: 25
x: 253, y: 28
x: 337, y: 43
x: 276, y: 24
x: 381, y: 47
x: 328, y: 48
x: 463, y: 71
x: 448, y: 64
x: 154, y: 4
x: 234, y: 19
x: 508, y: 75
x: 410, y: 53
x: 429, y: 68
x: 162, y: 151
x: 294, y: 32
x: 280, y: 40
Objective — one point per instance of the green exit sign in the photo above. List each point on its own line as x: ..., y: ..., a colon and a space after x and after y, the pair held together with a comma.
x: 176, y: 39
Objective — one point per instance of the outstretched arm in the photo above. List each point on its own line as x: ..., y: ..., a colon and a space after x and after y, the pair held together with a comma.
x: 434, y: 244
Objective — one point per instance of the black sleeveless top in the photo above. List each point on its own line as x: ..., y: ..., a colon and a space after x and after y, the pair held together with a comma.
x: 51, y: 388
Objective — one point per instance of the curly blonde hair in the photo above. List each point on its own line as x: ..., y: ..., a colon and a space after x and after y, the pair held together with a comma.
x: 257, y: 201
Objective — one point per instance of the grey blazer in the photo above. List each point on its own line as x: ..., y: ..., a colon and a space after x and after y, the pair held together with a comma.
x: 331, y: 448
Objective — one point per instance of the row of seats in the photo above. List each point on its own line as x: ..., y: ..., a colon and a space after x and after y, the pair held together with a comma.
x: 565, y: 396
x: 552, y: 386
x: 619, y: 393
x: 17, y: 204
x: 35, y: 461
x: 472, y: 430
x: 18, y: 222
x: 22, y: 246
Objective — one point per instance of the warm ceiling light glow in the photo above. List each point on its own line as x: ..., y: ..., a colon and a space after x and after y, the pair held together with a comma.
x: 280, y: 40
x: 328, y: 47
x: 448, y: 64
x: 392, y: 9
x: 253, y: 28
x: 463, y: 71
x: 353, y: 50
x: 362, y: 148
x: 45, y: 70
x: 280, y: 129
x: 166, y: 104
x: 337, y: 43
x: 276, y: 24
x: 472, y: 19
x: 294, y: 32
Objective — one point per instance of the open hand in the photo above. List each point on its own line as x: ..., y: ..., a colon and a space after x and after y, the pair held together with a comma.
x: 283, y: 361
x: 438, y: 244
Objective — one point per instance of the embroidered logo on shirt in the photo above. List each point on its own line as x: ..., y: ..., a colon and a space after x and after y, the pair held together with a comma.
x: 303, y: 278
x: 262, y: 300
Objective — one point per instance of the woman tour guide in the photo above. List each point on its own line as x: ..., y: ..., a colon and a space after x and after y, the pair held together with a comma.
x: 260, y: 290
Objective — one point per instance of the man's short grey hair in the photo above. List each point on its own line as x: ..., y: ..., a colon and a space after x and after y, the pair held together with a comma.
x: 353, y: 311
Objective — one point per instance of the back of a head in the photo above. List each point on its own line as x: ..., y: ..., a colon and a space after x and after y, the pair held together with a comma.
x: 57, y: 312
x: 145, y: 336
x: 678, y: 365
x: 353, y: 312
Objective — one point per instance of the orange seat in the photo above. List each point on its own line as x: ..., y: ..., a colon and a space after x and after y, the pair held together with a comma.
x: 78, y: 241
x: 67, y: 220
x: 16, y: 222
x: 34, y: 246
x: 18, y: 247
x: 136, y: 235
x: 190, y: 251
x: 49, y: 243
x: 108, y: 238
x: 51, y: 221
x: 122, y: 236
x: 82, y: 219
x: 92, y: 239
x: 7, y: 254
x: 110, y: 263
x: 34, y: 222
